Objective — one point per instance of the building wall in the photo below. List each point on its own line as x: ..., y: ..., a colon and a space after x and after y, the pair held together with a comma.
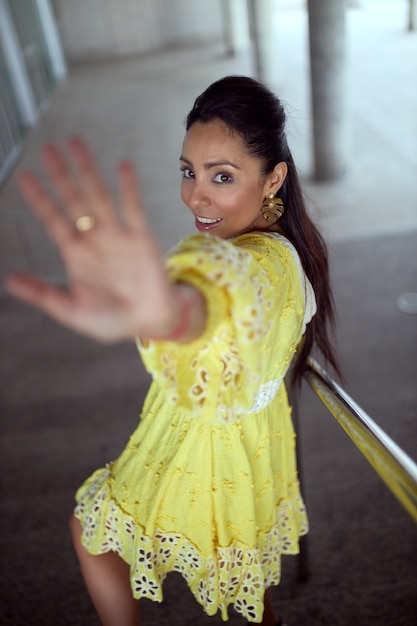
x: 92, y: 29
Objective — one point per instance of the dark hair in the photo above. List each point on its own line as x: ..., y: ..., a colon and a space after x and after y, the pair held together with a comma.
x: 257, y: 115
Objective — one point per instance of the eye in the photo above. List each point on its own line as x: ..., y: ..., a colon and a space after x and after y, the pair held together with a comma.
x: 186, y: 172
x: 223, y: 178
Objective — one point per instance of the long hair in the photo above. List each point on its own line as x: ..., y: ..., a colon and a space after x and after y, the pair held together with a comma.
x: 257, y: 115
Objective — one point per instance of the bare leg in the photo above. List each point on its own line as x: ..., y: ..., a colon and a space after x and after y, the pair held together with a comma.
x: 269, y: 618
x: 107, y: 579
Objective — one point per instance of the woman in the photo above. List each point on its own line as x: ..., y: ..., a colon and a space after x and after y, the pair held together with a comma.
x: 207, y: 485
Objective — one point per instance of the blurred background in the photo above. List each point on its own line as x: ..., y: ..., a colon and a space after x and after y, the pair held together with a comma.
x: 124, y: 74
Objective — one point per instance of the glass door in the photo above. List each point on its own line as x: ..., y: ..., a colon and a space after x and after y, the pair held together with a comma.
x: 25, y: 16
x: 11, y: 127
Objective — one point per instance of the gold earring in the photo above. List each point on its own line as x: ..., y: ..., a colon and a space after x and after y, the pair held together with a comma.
x: 272, y: 209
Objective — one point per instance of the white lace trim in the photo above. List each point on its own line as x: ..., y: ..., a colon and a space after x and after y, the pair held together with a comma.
x: 265, y: 395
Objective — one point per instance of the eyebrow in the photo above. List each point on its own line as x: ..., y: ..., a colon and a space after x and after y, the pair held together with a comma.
x: 211, y: 164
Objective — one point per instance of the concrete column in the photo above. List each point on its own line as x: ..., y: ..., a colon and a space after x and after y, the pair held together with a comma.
x: 262, y: 15
x: 328, y: 93
x: 236, y: 26
x: 412, y: 15
x: 53, y: 42
x: 16, y: 67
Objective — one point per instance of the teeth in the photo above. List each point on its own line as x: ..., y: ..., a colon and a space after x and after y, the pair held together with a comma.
x: 206, y: 220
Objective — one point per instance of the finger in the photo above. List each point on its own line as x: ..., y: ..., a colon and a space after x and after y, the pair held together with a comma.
x: 39, y: 294
x: 44, y: 208
x: 91, y: 180
x: 132, y: 206
x: 64, y: 181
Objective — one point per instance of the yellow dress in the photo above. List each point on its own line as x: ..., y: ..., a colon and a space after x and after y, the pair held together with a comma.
x: 207, y: 485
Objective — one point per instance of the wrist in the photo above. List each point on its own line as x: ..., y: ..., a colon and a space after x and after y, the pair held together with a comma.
x: 183, y: 324
x: 191, y: 316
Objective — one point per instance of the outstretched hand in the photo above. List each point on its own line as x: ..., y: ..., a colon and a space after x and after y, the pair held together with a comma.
x: 117, y: 285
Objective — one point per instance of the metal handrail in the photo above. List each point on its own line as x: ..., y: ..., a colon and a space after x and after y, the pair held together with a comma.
x: 393, y: 465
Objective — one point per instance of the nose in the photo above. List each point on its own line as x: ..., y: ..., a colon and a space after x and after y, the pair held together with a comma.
x: 195, y: 195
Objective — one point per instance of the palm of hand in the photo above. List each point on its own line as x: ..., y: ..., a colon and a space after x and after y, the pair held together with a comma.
x: 117, y: 286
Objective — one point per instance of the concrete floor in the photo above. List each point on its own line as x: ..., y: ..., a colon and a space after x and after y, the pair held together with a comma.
x: 68, y: 404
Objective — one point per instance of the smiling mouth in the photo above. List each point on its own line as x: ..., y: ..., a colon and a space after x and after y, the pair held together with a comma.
x: 208, y: 220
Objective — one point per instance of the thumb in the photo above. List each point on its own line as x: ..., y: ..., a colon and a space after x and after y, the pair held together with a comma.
x: 34, y: 291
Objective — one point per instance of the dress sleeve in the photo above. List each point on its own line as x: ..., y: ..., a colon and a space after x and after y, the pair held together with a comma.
x: 250, y: 296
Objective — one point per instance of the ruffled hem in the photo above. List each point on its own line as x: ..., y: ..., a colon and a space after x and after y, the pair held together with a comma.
x: 235, y: 575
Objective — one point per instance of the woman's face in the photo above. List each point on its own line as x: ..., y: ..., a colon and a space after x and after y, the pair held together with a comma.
x: 222, y: 185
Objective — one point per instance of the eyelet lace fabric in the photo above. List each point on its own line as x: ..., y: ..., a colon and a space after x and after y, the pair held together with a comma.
x: 207, y: 485
x: 237, y: 574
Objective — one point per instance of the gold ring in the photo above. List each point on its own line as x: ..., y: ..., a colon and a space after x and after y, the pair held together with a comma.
x: 85, y: 223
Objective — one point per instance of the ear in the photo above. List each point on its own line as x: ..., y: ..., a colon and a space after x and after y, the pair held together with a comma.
x: 275, y: 179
